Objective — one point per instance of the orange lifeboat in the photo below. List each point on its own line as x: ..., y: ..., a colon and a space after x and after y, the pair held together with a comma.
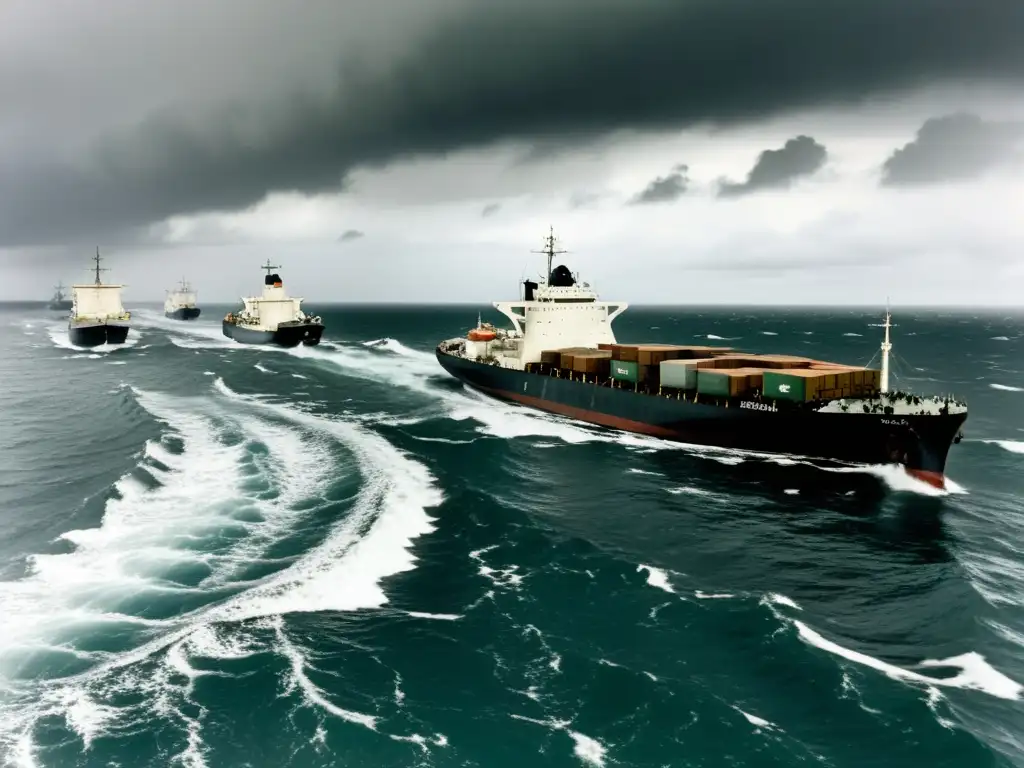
x: 482, y: 334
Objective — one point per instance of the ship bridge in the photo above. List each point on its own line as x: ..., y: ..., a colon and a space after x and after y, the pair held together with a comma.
x: 559, y: 312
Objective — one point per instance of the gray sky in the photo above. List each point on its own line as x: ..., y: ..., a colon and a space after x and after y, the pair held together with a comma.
x: 792, y: 151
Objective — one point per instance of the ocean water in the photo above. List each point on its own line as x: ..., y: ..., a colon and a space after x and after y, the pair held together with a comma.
x: 217, y: 555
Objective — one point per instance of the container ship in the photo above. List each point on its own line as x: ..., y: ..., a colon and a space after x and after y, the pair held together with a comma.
x: 180, y: 303
x: 273, y: 318
x: 60, y: 301
x: 561, y: 356
x: 97, y: 316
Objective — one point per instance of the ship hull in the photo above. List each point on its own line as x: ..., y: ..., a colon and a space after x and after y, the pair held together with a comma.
x: 60, y: 306
x: 97, y: 333
x: 183, y: 313
x: 286, y: 335
x: 919, y: 443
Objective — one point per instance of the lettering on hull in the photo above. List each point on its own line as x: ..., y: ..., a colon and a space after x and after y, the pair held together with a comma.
x: 752, y: 406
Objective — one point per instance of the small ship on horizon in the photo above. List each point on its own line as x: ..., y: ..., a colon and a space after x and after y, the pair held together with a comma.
x: 561, y: 356
x: 273, y: 318
x: 180, y: 303
x: 60, y: 302
x: 97, y: 316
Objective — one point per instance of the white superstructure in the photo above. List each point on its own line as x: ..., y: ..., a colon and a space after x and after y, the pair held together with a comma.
x: 558, y: 312
x: 182, y: 297
x: 275, y: 306
x: 97, y: 301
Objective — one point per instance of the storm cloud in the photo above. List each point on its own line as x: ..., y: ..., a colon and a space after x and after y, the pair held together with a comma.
x: 664, y: 189
x: 264, y: 99
x: 778, y: 168
x: 952, y: 148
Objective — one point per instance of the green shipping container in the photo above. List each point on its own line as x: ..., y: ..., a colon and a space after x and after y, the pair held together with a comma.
x: 678, y: 374
x: 712, y: 382
x: 784, y: 386
x: 624, y: 370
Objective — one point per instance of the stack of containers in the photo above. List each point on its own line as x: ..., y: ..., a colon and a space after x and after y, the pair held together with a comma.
x: 729, y: 382
x: 820, y: 383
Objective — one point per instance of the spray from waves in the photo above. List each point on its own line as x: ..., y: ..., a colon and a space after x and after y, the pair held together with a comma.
x: 975, y: 672
x: 341, y: 573
x: 1006, y: 388
x: 853, y: 334
x: 769, y: 333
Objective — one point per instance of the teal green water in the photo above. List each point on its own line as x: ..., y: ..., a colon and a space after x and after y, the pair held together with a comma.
x: 216, y: 555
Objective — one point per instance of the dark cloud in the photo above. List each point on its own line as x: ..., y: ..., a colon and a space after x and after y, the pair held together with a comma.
x: 953, y: 147
x: 490, y: 209
x: 664, y: 189
x: 468, y: 75
x: 778, y: 168
x: 349, y: 235
x: 583, y: 199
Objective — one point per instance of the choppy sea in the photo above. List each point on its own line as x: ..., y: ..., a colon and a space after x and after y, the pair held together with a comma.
x: 219, y: 555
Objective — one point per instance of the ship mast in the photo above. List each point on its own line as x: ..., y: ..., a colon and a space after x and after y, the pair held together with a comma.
x: 96, y: 258
x: 549, y: 251
x: 886, y: 347
x: 269, y: 267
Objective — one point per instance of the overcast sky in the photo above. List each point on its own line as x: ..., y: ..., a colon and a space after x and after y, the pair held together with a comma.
x: 686, y: 151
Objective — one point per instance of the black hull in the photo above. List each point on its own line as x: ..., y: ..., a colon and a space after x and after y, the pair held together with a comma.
x: 184, y: 313
x: 60, y: 306
x: 97, y: 334
x: 286, y: 335
x: 920, y: 443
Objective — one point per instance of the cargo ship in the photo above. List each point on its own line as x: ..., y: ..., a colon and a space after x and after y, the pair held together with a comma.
x: 97, y: 316
x: 60, y: 302
x: 561, y: 356
x: 273, y: 318
x: 180, y: 303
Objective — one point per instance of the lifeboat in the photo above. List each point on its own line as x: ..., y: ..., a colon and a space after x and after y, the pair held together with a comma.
x: 482, y: 334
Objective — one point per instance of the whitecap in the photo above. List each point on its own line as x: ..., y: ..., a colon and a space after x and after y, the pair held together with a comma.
x: 656, y: 577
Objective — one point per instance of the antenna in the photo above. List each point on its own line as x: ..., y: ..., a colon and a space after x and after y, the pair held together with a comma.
x: 549, y: 250
x: 96, y: 258
x: 886, y: 348
x: 269, y: 267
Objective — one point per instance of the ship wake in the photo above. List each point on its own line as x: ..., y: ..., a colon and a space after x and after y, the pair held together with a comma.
x: 228, y: 523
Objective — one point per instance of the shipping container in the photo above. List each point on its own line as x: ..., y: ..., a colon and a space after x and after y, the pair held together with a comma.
x: 755, y: 377
x: 624, y: 370
x: 682, y: 374
x: 566, y: 360
x: 797, y: 385
x: 551, y: 357
x: 587, y: 362
x: 723, y: 382
x: 627, y: 353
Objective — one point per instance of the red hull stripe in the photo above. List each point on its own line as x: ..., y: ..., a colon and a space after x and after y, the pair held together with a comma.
x: 936, y: 479
x: 581, y: 414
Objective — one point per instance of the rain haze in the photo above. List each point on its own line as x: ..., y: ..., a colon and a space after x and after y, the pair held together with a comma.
x: 792, y: 152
